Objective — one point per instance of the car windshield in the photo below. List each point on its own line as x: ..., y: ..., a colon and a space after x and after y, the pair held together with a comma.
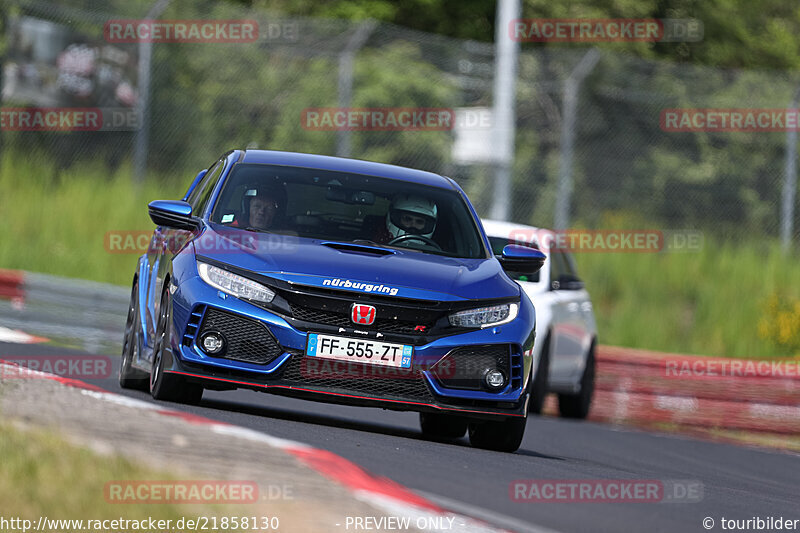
x: 498, y: 243
x: 344, y: 207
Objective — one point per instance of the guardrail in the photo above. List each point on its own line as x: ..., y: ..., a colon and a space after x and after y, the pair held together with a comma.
x: 80, y: 313
x: 652, y: 389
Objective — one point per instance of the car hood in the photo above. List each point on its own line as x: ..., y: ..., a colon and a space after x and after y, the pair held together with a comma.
x: 333, y: 265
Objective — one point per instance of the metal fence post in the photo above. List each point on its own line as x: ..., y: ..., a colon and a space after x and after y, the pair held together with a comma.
x: 504, y: 92
x: 571, y: 87
x: 789, y: 183
x: 346, y: 63
x: 143, y: 133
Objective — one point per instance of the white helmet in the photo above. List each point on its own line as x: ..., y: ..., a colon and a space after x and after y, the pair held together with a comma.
x: 411, y: 215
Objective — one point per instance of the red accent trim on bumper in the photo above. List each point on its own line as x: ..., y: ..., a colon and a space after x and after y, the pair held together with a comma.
x: 263, y: 386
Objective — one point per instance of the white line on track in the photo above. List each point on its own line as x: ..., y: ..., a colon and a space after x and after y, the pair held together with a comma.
x: 18, y: 337
x: 491, y: 517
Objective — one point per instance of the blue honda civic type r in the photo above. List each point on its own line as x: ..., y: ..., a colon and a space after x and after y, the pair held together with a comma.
x: 334, y: 280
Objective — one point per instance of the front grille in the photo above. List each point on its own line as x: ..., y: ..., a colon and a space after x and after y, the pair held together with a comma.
x: 464, y: 368
x: 246, y: 340
x: 318, y: 316
x: 385, y: 325
x: 348, y: 378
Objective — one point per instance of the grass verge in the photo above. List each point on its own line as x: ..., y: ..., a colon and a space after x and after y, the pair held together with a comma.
x: 709, y: 302
x: 41, y: 475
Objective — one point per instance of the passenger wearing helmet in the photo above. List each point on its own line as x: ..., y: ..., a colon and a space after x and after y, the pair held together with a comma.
x: 411, y: 218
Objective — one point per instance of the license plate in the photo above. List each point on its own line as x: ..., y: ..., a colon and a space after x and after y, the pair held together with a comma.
x: 359, y: 350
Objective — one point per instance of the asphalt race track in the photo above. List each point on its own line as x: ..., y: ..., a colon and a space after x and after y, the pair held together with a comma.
x: 737, y: 483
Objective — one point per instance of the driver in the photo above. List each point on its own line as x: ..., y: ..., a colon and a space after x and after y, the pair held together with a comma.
x: 411, y: 215
x: 261, y: 206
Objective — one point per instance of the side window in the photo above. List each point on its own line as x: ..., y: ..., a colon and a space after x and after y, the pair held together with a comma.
x: 192, y: 199
x: 202, y: 192
x: 562, y: 272
x: 569, y: 263
x: 556, y: 266
x: 215, y: 173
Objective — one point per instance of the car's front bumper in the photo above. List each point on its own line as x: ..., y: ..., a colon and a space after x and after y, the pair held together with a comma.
x: 286, y: 369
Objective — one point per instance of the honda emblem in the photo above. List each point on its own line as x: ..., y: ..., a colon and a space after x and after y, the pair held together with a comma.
x: 362, y: 314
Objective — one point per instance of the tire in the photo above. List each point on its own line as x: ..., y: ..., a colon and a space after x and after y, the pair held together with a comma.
x: 502, y: 436
x: 539, y: 387
x: 578, y: 405
x: 438, y: 426
x: 129, y: 377
x: 164, y: 386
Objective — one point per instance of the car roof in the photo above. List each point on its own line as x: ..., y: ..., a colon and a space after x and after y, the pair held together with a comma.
x: 499, y: 228
x: 341, y: 164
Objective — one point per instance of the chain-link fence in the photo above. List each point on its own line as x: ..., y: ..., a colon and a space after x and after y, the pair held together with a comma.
x: 204, y: 98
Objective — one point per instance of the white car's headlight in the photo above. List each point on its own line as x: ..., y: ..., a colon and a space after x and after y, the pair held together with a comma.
x: 234, y: 284
x: 485, y: 317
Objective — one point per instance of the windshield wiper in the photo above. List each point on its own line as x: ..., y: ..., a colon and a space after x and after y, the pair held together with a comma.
x: 359, y: 246
x: 258, y: 230
x: 367, y: 242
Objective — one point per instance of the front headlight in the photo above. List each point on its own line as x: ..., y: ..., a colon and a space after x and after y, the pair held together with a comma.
x: 234, y: 284
x: 485, y: 317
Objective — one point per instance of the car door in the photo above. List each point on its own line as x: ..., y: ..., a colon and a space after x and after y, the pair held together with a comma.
x: 572, y: 326
x: 162, y: 248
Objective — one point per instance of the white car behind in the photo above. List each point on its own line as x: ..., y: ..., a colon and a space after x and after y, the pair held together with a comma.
x: 566, y: 333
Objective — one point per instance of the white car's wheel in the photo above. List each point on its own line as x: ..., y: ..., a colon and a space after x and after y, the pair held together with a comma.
x: 539, y: 387
x: 578, y: 405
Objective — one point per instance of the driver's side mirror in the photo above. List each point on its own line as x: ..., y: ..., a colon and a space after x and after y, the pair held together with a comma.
x: 522, y: 259
x: 174, y: 214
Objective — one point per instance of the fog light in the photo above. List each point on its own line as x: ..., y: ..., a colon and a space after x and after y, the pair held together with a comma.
x: 495, y: 379
x: 212, y: 342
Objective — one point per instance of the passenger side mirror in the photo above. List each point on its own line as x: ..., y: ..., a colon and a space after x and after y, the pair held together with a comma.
x: 521, y: 259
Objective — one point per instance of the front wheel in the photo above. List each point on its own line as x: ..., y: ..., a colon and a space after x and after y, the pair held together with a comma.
x: 437, y: 426
x: 165, y: 386
x: 578, y: 405
x: 502, y: 436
